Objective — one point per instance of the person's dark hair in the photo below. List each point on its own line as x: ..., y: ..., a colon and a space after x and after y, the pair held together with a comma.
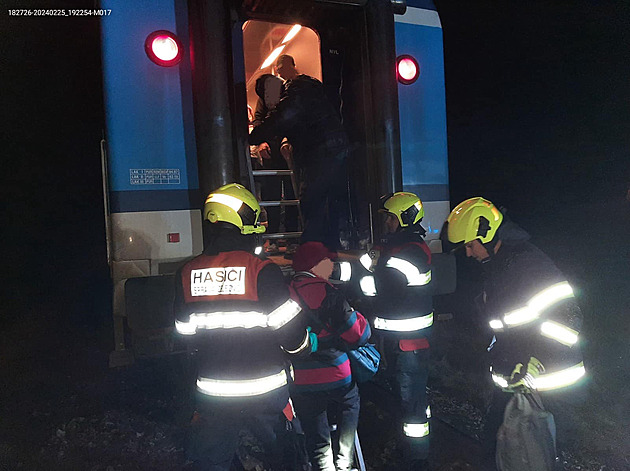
x: 281, y: 58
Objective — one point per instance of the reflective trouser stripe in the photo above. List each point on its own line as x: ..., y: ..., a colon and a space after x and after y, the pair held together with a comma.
x: 416, y: 430
x: 404, y: 325
x: 242, y: 388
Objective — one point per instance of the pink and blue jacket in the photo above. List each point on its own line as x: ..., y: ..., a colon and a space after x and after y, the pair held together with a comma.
x: 338, y: 327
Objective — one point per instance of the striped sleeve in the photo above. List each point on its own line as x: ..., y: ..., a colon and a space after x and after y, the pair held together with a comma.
x: 355, y: 331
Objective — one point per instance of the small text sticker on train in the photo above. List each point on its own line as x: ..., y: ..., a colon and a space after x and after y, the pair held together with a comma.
x: 216, y: 281
x: 154, y: 176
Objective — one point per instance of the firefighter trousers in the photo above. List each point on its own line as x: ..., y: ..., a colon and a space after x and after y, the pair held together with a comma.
x: 214, y: 434
x: 407, y: 373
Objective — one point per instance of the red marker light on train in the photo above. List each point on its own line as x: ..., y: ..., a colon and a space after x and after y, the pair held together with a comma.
x: 163, y: 48
x: 407, y: 69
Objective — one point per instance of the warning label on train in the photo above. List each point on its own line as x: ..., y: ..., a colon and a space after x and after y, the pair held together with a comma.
x: 154, y: 176
x: 215, y: 281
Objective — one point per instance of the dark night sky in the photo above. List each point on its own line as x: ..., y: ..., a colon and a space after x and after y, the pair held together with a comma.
x: 537, y: 95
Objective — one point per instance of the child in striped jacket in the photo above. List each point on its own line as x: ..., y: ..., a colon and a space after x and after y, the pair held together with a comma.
x: 323, y: 382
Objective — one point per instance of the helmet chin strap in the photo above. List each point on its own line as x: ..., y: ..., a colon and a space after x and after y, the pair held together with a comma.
x: 484, y: 227
x: 406, y: 230
x: 416, y: 228
x: 490, y: 248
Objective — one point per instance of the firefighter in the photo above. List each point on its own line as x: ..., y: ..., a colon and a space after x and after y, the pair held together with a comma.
x: 533, y: 319
x: 235, y: 310
x: 403, y: 315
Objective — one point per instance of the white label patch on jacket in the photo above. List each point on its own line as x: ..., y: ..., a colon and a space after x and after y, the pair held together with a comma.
x: 216, y: 281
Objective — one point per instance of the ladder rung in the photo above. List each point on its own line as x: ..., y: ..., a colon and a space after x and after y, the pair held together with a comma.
x: 280, y: 203
x: 270, y: 173
x: 282, y: 235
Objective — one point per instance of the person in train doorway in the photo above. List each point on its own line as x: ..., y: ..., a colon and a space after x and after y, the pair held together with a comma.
x: 323, y: 383
x: 320, y: 149
x: 234, y: 309
x: 273, y: 155
x: 399, y: 286
x: 533, y: 318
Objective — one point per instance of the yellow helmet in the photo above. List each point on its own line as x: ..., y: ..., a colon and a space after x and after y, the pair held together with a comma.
x: 406, y: 206
x: 234, y: 204
x: 475, y: 218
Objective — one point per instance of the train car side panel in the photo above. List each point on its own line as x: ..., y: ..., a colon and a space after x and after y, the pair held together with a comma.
x: 422, y: 108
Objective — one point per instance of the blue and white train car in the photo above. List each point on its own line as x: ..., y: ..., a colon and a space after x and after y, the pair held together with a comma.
x: 422, y: 106
x: 179, y: 77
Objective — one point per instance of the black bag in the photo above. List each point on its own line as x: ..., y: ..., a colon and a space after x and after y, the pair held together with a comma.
x: 526, y: 440
x: 364, y: 362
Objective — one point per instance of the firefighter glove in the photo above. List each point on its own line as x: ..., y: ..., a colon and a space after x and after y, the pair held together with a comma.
x: 523, y: 378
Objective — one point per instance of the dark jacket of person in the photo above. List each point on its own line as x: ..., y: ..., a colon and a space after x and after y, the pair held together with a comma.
x: 338, y: 327
x: 269, y: 89
x: 521, y: 277
x: 239, y: 302
x: 307, y: 119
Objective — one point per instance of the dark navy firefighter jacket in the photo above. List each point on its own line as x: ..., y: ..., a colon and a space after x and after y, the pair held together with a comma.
x: 400, y: 288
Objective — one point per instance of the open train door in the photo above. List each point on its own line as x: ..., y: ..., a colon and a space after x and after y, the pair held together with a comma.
x: 348, y: 44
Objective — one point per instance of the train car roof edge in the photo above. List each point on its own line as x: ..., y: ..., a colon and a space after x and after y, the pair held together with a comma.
x: 426, y: 4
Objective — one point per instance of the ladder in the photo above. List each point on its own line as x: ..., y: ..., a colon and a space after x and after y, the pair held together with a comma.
x: 281, y: 202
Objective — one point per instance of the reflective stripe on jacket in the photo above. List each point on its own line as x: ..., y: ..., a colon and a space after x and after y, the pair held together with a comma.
x: 403, y: 305
x: 235, y: 310
x: 532, y: 311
